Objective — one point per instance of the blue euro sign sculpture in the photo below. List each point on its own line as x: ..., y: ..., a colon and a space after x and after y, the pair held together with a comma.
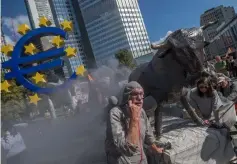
x: 14, y: 63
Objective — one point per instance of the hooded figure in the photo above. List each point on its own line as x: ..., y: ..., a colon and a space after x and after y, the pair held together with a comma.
x: 118, y: 148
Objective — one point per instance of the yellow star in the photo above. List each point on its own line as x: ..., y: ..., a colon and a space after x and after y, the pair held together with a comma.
x: 30, y: 49
x: 66, y: 25
x: 34, y: 99
x: 71, y: 52
x: 80, y: 70
x: 7, y: 49
x: 5, y: 85
x: 38, y: 77
x: 57, y: 41
x: 23, y: 29
x: 44, y: 22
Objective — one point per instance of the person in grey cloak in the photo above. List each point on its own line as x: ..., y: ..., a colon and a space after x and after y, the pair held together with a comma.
x: 205, y: 101
x: 128, y: 129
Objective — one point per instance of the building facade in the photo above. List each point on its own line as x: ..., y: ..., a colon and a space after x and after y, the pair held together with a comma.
x: 112, y: 25
x: 64, y: 10
x: 35, y: 10
x: 3, y: 57
x: 219, y: 15
x: 225, y: 38
x: 58, y: 11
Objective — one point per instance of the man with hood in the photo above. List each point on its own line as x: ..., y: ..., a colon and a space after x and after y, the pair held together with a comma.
x: 128, y: 129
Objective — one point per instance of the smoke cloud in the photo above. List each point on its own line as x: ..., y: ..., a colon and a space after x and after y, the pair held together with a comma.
x: 79, y: 138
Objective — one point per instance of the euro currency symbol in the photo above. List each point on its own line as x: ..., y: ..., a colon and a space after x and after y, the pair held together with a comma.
x: 14, y: 63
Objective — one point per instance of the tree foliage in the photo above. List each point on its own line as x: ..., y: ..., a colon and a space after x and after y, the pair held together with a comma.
x: 13, y: 103
x: 125, y: 57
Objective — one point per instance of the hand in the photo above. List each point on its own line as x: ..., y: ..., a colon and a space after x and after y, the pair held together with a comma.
x: 156, y: 149
x: 135, y: 110
x: 159, y: 150
x: 206, y: 122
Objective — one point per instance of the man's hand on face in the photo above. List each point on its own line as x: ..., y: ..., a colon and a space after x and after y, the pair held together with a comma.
x: 135, y: 110
x: 206, y: 122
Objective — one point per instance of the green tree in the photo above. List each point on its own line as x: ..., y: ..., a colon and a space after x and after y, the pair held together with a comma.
x: 13, y: 103
x: 125, y: 58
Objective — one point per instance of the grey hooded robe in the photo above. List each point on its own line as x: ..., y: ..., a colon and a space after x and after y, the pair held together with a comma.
x: 118, y: 150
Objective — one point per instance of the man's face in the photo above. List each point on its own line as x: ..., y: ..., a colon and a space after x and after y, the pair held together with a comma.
x: 224, y: 84
x: 137, y: 96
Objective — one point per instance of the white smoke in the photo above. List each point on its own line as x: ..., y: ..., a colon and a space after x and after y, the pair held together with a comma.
x: 71, y: 140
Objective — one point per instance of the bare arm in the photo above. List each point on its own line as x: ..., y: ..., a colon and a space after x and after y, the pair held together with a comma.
x: 122, y: 141
x: 133, y: 131
x: 133, y: 135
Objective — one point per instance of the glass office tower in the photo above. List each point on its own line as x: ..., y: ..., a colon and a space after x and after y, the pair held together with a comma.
x: 63, y: 10
x: 113, y: 25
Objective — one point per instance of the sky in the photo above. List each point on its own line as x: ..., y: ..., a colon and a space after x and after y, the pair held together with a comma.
x: 161, y: 17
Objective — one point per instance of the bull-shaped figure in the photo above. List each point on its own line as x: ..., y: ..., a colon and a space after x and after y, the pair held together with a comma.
x: 178, y: 62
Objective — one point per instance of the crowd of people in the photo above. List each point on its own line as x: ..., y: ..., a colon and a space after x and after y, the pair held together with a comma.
x: 227, y: 65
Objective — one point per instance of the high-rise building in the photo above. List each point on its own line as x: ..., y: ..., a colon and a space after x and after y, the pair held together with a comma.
x: 37, y: 9
x: 63, y: 10
x: 3, y: 56
x: 226, y: 38
x: 219, y: 15
x: 111, y: 25
x: 56, y: 12
x: 3, y: 42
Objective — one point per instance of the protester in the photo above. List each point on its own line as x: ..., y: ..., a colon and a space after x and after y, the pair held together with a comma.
x: 204, y: 99
x: 12, y: 143
x: 227, y: 89
x: 128, y: 129
x: 220, y: 65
